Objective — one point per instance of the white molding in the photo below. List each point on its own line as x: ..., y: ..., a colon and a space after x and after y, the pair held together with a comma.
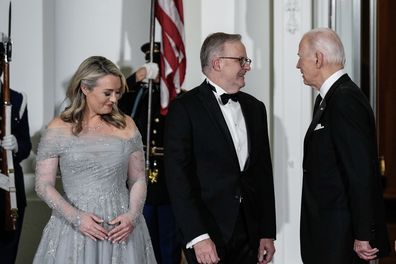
x: 292, y: 104
x: 292, y: 8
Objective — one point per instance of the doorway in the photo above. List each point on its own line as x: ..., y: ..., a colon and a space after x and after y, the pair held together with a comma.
x: 386, y: 110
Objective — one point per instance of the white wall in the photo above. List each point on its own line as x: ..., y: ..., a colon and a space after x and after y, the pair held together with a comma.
x: 27, y: 60
x: 27, y: 66
x: 114, y: 29
x: 51, y: 38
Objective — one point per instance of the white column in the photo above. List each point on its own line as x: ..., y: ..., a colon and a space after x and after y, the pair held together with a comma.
x: 292, y: 115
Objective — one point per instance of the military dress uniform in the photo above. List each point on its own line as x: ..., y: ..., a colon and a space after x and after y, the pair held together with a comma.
x: 157, y: 210
x: 20, y: 129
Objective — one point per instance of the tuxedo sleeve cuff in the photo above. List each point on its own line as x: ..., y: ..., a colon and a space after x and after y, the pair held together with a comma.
x: 196, y: 240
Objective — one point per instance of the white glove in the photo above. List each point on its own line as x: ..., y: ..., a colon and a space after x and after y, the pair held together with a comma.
x: 152, y: 70
x: 10, y: 143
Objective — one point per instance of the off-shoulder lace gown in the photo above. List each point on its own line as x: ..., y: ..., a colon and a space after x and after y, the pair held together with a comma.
x: 94, y: 170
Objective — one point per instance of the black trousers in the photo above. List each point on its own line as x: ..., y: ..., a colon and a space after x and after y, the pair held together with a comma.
x: 357, y: 260
x: 236, y: 251
x: 162, y: 228
x: 353, y: 259
x: 9, y: 240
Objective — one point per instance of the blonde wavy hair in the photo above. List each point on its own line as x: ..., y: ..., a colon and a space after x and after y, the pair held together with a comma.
x: 87, y: 74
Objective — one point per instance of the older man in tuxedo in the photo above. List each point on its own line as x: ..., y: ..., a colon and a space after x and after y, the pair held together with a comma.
x: 217, y: 162
x: 342, y: 213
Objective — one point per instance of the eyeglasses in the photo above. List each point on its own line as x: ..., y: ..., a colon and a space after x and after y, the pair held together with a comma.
x: 242, y: 60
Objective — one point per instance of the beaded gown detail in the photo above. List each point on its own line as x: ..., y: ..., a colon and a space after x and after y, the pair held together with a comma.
x: 95, y: 170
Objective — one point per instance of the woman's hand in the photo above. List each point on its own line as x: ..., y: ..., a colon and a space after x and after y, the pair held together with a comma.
x: 90, y: 226
x: 123, y: 228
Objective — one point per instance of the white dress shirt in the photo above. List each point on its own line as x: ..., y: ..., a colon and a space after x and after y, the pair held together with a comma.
x: 235, y: 120
x: 329, y: 82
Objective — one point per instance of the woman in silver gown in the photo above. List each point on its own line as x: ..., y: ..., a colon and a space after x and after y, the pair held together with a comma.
x: 99, y: 153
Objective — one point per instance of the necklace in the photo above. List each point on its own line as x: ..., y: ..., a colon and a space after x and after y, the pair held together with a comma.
x: 93, y: 128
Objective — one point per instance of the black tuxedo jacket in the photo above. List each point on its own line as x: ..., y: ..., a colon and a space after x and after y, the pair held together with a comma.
x: 202, y: 171
x: 342, y: 194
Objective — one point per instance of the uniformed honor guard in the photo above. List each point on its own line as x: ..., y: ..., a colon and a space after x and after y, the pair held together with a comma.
x: 19, y: 143
x: 157, y: 210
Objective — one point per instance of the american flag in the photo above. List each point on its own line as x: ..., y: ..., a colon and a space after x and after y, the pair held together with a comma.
x: 173, y: 55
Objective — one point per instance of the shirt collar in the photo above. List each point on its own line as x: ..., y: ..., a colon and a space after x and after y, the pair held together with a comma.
x: 329, y: 82
x: 218, y: 90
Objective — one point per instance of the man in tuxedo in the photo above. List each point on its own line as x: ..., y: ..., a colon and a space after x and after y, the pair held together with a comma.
x: 217, y: 162
x: 19, y: 143
x: 342, y: 211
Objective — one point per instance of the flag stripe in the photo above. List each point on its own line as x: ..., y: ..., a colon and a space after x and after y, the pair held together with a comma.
x: 174, y: 10
x: 170, y: 28
x: 173, y: 56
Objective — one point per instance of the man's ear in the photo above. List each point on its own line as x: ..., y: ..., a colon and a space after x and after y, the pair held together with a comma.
x: 319, y: 59
x: 216, y: 64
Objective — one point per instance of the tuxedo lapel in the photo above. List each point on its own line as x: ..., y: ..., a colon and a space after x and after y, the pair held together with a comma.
x: 212, y: 106
x: 322, y: 107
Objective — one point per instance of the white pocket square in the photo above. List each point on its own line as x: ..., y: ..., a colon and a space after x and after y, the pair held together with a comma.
x: 318, y: 126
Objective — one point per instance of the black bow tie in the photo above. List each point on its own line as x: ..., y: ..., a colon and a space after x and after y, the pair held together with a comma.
x: 225, y: 97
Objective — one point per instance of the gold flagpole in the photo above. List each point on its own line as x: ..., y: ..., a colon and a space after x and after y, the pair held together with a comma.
x: 150, y: 87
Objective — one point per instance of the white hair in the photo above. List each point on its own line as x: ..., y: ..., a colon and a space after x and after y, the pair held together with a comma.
x: 326, y: 41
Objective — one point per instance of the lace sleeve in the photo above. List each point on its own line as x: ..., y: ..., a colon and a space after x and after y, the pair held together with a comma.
x: 46, y: 169
x: 136, y: 182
